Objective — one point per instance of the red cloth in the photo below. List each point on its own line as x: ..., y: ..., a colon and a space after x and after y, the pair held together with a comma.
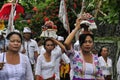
x: 6, y: 9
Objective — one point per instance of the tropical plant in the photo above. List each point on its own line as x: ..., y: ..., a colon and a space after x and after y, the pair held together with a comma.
x: 36, y: 11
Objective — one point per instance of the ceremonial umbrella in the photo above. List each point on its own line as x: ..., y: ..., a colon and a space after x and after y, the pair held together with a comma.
x: 6, y: 9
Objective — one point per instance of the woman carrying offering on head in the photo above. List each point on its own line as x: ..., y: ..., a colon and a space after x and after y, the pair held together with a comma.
x: 85, y: 64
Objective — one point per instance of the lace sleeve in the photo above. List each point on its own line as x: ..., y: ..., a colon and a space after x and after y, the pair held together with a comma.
x: 29, y: 74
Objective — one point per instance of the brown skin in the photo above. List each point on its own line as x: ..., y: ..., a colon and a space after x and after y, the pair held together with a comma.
x: 49, y: 46
x: 104, y: 53
x: 27, y: 37
x: 70, y: 37
x: 12, y: 55
x: 86, y: 49
x: 1, y: 65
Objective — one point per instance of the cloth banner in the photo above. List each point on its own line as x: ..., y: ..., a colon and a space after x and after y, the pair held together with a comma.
x: 63, y: 15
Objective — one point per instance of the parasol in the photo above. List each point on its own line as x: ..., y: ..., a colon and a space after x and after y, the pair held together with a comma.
x: 6, y: 9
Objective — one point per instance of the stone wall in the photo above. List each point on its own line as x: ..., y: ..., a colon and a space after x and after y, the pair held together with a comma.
x: 108, y: 30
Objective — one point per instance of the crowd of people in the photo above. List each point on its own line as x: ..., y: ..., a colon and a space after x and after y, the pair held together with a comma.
x: 24, y: 58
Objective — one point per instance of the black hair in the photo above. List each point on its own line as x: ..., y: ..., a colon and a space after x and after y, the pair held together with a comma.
x: 1, y: 36
x: 48, y: 39
x: 99, y: 53
x: 82, y: 38
x: 31, y: 36
x: 12, y: 33
x: 38, y: 39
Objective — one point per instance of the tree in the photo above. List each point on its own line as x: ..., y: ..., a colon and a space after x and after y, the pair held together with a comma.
x: 104, y: 11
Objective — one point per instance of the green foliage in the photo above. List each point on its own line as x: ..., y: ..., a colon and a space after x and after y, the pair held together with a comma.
x: 107, y: 38
x: 50, y: 9
x: 111, y: 10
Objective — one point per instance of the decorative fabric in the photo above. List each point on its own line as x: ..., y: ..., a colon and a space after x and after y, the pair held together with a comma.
x: 79, y: 66
x: 106, y: 66
x: 47, y: 69
x: 21, y: 71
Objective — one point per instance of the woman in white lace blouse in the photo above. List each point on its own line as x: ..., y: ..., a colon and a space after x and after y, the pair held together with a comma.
x: 85, y: 65
x: 45, y: 67
x: 16, y: 65
x: 105, y: 63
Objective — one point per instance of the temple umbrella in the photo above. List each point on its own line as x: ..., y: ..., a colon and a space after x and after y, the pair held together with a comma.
x: 6, y: 9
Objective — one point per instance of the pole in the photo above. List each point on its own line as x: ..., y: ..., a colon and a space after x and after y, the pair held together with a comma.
x: 79, y: 15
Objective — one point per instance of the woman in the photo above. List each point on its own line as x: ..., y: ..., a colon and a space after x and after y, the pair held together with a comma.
x: 84, y: 64
x: 16, y: 65
x: 105, y: 63
x: 46, y: 61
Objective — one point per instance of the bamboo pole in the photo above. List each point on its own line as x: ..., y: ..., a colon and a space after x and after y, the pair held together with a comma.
x: 98, y: 8
x: 79, y: 15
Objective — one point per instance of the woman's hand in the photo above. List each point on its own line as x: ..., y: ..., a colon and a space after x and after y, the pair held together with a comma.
x: 84, y: 16
x: 77, y: 24
x: 60, y: 44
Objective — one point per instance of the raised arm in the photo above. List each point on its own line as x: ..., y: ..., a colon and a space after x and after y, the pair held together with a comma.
x: 70, y: 37
x: 84, y: 16
x: 60, y: 44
